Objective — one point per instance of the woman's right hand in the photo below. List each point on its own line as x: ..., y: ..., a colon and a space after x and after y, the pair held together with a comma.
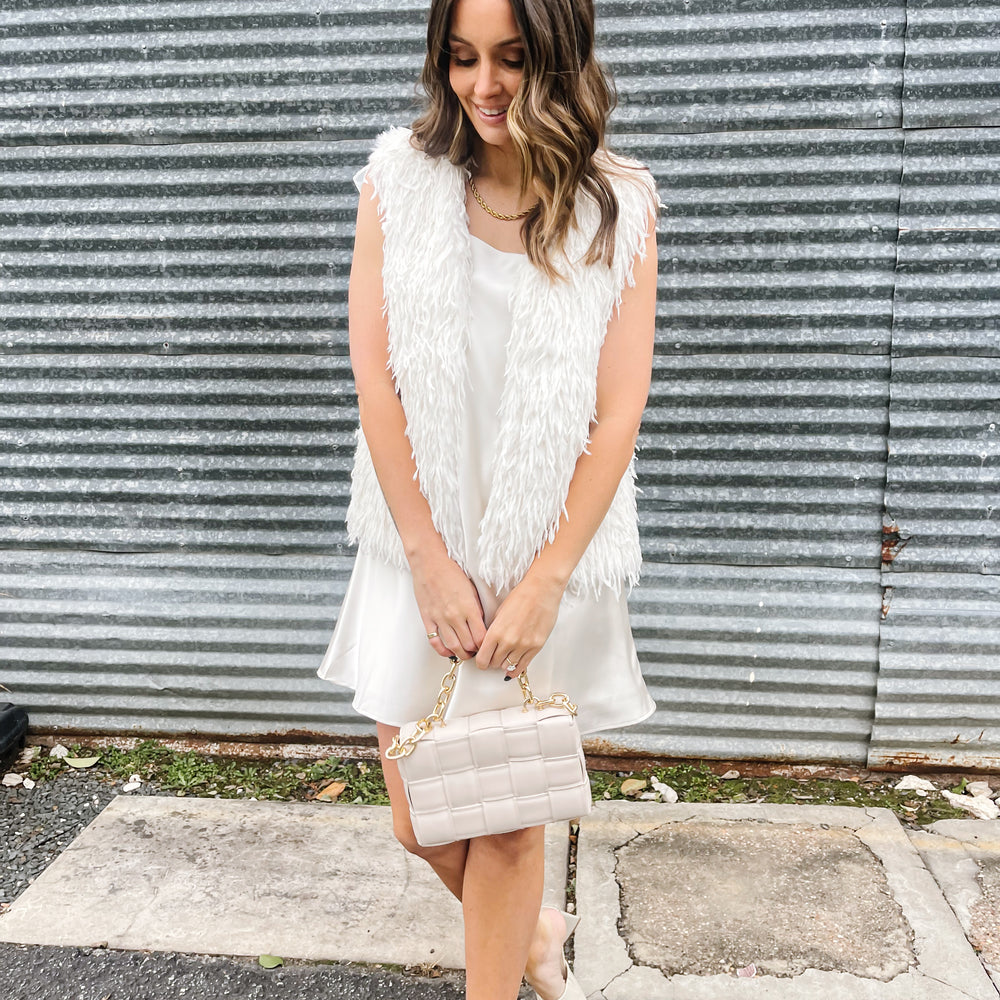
x: 449, y: 605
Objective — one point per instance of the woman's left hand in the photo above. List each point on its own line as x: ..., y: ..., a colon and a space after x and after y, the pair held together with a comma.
x: 523, y: 622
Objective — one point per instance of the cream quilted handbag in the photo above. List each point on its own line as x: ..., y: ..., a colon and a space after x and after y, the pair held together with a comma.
x: 494, y: 771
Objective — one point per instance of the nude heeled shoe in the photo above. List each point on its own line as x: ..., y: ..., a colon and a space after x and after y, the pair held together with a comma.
x: 573, y: 990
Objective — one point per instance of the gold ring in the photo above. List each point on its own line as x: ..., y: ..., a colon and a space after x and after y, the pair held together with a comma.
x: 432, y: 635
x: 513, y: 665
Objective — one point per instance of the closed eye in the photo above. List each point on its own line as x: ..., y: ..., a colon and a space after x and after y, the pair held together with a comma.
x: 512, y: 63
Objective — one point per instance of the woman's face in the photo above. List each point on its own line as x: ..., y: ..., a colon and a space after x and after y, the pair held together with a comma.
x: 487, y: 63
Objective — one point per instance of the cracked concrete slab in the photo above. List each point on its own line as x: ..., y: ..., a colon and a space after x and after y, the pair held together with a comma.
x: 964, y: 858
x: 303, y: 880
x: 825, y: 901
x: 796, y: 897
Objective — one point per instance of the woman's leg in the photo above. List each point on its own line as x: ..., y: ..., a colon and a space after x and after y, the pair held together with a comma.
x: 501, y: 902
x: 499, y: 880
x: 448, y: 861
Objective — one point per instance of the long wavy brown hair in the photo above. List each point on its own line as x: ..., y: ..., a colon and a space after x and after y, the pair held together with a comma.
x: 556, y: 120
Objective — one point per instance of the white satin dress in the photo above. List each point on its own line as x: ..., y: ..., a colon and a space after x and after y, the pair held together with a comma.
x: 379, y: 647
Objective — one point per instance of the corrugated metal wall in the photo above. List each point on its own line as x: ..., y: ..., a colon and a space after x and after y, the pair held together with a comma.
x: 175, y: 396
x: 763, y: 449
x: 938, y: 693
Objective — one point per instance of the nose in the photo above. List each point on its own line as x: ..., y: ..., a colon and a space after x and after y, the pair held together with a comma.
x: 487, y: 80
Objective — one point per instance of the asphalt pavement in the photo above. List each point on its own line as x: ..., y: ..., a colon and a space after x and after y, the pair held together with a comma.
x: 159, y: 896
x: 45, y: 972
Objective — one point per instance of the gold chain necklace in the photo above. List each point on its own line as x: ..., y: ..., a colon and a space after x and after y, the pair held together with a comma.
x: 496, y: 215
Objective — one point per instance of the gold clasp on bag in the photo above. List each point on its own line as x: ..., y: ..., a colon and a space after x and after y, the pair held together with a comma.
x: 403, y: 748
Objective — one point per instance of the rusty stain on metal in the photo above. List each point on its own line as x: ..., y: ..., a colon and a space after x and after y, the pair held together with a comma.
x: 361, y: 748
x: 939, y: 763
x: 288, y: 736
x: 892, y: 542
x: 601, y: 747
x: 886, y: 601
x: 630, y: 761
x: 950, y: 770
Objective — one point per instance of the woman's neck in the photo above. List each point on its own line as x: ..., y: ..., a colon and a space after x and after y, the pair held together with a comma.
x: 499, y: 165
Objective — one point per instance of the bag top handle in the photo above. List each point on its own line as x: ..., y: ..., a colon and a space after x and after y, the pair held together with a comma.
x: 403, y: 748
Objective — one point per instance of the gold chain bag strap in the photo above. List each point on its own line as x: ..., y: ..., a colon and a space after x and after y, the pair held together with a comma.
x: 493, y: 771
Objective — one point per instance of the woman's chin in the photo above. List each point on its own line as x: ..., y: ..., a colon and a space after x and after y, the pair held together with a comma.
x: 496, y: 136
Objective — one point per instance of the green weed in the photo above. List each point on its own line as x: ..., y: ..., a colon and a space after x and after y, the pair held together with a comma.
x: 696, y: 783
x: 191, y: 773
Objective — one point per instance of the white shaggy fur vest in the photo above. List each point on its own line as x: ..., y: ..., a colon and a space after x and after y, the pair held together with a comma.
x: 550, y: 389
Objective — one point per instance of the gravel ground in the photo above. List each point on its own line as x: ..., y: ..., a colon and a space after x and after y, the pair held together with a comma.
x: 38, y: 823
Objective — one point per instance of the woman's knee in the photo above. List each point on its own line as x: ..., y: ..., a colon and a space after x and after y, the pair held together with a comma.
x: 514, y: 846
x: 404, y: 834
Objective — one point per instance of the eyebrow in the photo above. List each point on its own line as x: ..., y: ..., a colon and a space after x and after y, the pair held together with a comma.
x: 516, y: 40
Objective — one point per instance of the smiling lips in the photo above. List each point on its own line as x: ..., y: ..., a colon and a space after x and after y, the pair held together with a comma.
x: 491, y: 114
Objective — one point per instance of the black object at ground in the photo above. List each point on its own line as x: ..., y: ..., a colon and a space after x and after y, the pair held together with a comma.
x: 13, y: 728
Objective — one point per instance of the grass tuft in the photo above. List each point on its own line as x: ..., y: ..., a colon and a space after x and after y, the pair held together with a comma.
x: 192, y: 773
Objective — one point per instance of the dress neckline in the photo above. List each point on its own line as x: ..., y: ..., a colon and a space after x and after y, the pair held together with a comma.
x: 506, y: 253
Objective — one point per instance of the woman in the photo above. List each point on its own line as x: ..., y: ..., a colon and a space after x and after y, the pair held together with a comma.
x: 501, y: 312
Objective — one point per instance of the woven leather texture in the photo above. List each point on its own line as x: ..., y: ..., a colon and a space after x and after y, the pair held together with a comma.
x: 494, y: 772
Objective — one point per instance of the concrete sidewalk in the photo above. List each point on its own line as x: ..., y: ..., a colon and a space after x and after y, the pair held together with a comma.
x: 678, y: 901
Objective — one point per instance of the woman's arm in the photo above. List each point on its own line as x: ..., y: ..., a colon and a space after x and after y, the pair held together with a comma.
x: 528, y: 613
x: 446, y: 597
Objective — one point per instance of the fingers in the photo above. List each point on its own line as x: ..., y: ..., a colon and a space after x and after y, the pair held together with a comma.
x: 446, y: 640
x: 466, y: 637
x: 522, y: 662
x: 435, y: 639
x: 439, y: 647
x: 494, y: 655
x: 477, y: 629
x: 450, y: 609
x: 519, y: 629
x: 455, y: 643
x: 487, y: 653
